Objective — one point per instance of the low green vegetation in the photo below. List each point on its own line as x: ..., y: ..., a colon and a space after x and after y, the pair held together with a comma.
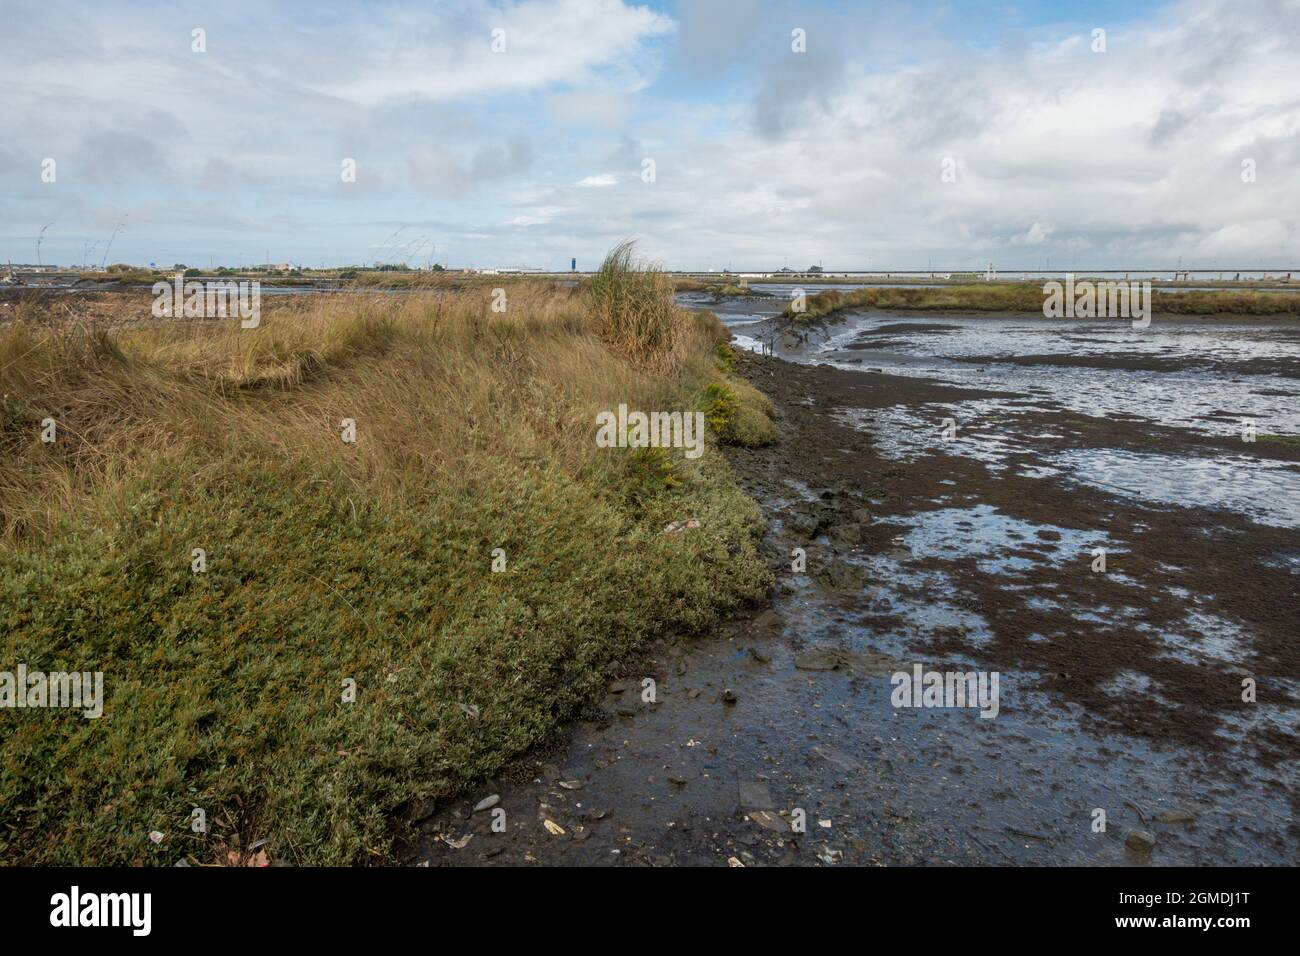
x: 330, y: 562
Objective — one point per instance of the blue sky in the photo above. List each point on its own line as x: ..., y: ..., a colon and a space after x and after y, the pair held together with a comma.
x: 905, y: 136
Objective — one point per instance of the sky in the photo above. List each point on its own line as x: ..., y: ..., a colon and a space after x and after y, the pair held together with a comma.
x: 484, y: 133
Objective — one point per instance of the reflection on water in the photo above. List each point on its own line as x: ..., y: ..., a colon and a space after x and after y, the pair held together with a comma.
x: 1205, y: 378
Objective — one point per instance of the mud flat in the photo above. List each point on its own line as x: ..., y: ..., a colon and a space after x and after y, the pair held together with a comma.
x: 1120, y: 691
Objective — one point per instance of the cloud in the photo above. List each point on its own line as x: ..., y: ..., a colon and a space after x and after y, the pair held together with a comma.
x: 537, y: 217
x: 762, y: 154
x: 473, y: 47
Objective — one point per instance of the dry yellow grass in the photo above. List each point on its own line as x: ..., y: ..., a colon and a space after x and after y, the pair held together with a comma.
x: 328, y: 560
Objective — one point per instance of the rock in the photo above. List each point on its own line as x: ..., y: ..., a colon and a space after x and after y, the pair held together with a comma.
x: 1140, y: 841
x: 677, y: 781
x: 623, y: 710
x: 840, y: 576
x: 818, y: 659
x: 1174, y: 816
x: 837, y: 758
x: 845, y: 536
x: 802, y: 524
x: 769, y: 622
x: 837, y: 658
x: 570, y: 784
x: 728, y: 696
x: 769, y: 820
x: 754, y: 795
x: 423, y: 810
x: 487, y: 803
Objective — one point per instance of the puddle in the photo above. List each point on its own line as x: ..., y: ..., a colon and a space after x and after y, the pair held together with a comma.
x: 1267, y: 492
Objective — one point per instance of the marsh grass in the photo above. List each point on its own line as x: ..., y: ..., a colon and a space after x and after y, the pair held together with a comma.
x: 633, y: 311
x: 1028, y: 298
x: 330, y: 561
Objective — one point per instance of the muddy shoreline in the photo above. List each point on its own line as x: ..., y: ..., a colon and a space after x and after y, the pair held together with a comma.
x: 1121, y: 691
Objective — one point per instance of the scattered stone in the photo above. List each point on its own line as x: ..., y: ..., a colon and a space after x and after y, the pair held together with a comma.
x: 837, y: 658
x: 837, y: 757
x: 625, y: 711
x: 733, y: 862
x: 571, y: 784
x: 754, y: 795
x: 845, y: 536
x: 677, y: 781
x: 818, y: 659
x: 677, y: 527
x: 802, y: 524
x: 728, y: 696
x: 830, y: 857
x: 487, y: 803
x: 1174, y: 816
x: 553, y: 828
x: 839, y: 576
x: 769, y: 820
x: 1140, y: 841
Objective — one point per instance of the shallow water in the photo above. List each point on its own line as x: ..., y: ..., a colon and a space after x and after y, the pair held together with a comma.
x: 1207, y: 382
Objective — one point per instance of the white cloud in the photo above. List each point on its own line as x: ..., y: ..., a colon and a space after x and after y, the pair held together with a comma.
x: 434, y: 53
x: 1129, y: 156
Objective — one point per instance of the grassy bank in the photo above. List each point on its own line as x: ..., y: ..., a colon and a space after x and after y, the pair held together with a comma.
x: 1028, y: 298
x: 329, y: 562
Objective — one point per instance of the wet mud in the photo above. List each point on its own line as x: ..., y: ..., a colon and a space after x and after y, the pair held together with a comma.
x: 898, y: 542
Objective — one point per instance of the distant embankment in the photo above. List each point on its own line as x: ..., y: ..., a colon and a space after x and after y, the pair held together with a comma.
x: 1029, y: 298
